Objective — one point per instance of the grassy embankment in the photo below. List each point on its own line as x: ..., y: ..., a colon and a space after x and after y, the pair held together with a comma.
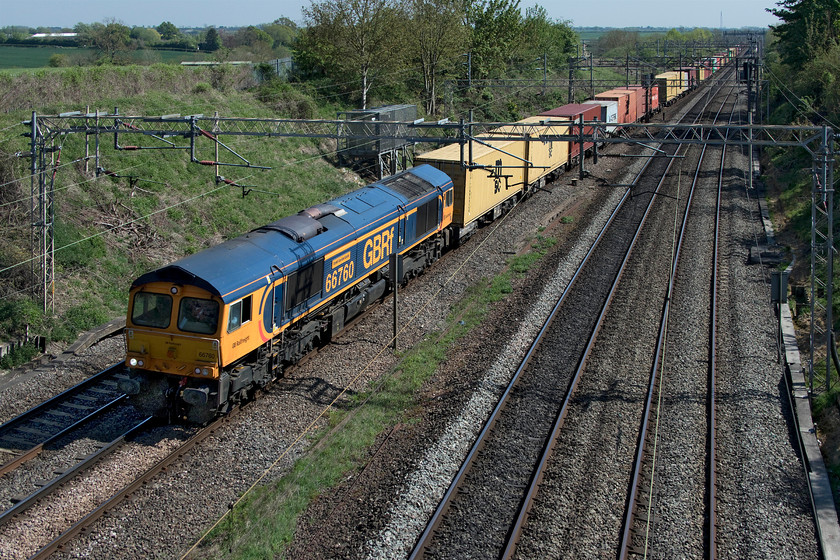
x: 788, y: 177
x: 160, y: 206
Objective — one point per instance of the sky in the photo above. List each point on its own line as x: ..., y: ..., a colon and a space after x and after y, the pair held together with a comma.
x: 236, y: 13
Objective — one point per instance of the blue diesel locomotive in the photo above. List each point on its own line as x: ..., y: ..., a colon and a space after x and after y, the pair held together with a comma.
x: 204, y: 332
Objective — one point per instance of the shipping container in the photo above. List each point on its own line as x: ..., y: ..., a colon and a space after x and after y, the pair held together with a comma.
x: 691, y: 76
x: 633, y: 98
x: 623, y: 100
x: 500, y: 175
x: 670, y: 87
x: 642, y: 101
x: 609, y: 111
x: 654, y: 99
x: 543, y: 155
x: 574, y: 112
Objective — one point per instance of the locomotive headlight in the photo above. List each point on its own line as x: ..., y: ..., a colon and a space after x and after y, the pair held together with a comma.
x: 197, y: 370
x: 205, y: 371
x: 133, y: 362
x: 140, y: 363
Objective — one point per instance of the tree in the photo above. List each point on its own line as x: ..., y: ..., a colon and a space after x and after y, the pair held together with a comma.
x: 109, y: 39
x: 59, y: 60
x: 352, y: 38
x: 283, y: 32
x: 253, y: 42
x: 617, y: 41
x: 145, y: 36
x: 439, y: 37
x: 249, y: 36
x: 168, y: 31
x: 810, y: 27
x: 554, y: 40
x: 212, y: 41
x: 496, y: 27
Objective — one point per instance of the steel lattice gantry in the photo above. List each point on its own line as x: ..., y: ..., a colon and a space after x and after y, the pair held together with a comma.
x: 183, y: 132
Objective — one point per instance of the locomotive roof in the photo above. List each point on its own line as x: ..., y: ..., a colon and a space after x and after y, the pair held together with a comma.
x: 239, y: 266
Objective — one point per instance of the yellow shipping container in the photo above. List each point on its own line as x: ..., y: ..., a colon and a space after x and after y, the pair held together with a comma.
x: 502, y: 171
x: 670, y: 86
x: 480, y: 190
x: 544, y: 155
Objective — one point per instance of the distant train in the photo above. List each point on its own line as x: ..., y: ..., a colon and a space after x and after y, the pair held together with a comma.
x: 205, y: 332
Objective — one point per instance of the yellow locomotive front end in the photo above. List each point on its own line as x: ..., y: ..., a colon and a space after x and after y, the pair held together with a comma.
x: 173, y: 330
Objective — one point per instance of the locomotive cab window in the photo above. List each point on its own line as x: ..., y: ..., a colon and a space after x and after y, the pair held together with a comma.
x: 151, y: 310
x: 447, y: 198
x: 198, y: 315
x: 240, y: 313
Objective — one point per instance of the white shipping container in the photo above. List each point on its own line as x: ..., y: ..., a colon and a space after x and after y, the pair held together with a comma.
x: 609, y: 111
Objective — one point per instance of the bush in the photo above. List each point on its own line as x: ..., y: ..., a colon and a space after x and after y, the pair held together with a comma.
x: 59, y: 61
x: 19, y: 356
x: 286, y: 101
x: 16, y: 315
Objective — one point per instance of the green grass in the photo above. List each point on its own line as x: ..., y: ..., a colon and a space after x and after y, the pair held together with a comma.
x: 263, y: 524
x: 524, y: 262
x: 27, y: 58
x: 172, y: 207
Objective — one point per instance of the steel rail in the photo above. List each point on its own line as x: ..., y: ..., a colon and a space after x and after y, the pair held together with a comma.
x: 525, y: 508
x: 149, y: 474
x: 711, y: 507
x: 25, y: 434
x: 58, y: 399
x: 516, y: 531
x: 443, y: 506
x: 34, y: 451
x: 440, y: 512
x: 632, y: 501
x: 60, y: 480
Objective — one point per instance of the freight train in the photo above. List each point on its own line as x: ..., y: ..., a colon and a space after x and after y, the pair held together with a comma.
x: 207, y: 331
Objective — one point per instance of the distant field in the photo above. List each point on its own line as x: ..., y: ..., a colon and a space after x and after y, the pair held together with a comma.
x: 22, y: 58
x: 589, y: 34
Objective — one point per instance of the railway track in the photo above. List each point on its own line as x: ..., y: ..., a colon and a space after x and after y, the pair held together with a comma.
x: 494, y: 486
x: 63, y: 476
x: 649, y: 499
x: 124, y: 491
x: 26, y: 435
x: 49, y: 462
